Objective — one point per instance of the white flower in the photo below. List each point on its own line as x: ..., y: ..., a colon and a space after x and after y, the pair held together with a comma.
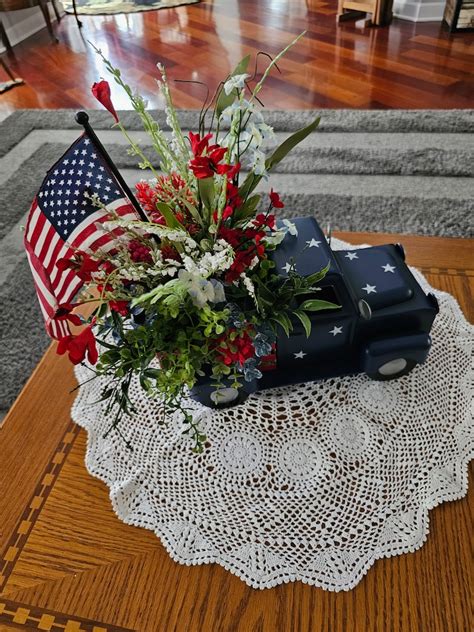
x: 258, y: 163
x: 275, y: 238
x: 237, y: 82
x: 249, y: 286
x: 265, y: 130
x: 199, y: 289
x: 253, y: 263
x: 228, y: 113
x: 291, y: 227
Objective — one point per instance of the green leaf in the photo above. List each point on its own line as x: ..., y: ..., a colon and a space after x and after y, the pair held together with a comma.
x: 169, y: 216
x: 291, y: 142
x: 264, y: 292
x: 314, y: 278
x: 315, y: 305
x: 283, y: 320
x: 305, y: 321
x: 247, y: 209
x: 280, y: 152
x: 105, y: 344
x: 224, y: 100
x: 192, y: 210
x: 152, y: 373
x: 207, y: 192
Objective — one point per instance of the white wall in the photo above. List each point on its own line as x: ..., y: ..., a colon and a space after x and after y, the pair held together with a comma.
x: 21, y: 24
x: 419, y: 10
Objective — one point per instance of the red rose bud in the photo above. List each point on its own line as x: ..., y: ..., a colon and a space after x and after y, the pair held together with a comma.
x: 101, y: 91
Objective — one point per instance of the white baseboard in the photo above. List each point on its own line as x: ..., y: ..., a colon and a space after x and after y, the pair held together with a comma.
x: 22, y: 24
x: 419, y: 11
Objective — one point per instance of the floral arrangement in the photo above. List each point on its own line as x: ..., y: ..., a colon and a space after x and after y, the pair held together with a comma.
x: 192, y: 291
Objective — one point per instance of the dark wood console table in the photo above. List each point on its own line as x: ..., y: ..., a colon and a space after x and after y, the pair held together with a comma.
x: 16, y: 5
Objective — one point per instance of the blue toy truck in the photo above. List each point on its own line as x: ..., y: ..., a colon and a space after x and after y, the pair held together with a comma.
x: 382, y: 327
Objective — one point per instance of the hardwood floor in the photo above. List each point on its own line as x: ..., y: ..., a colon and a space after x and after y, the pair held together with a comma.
x: 406, y: 65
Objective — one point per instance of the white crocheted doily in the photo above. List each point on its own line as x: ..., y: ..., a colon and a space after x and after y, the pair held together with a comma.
x: 313, y: 482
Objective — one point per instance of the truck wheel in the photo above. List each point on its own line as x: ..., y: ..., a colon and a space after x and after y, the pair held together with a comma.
x: 393, y: 369
x: 217, y: 399
x: 227, y: 396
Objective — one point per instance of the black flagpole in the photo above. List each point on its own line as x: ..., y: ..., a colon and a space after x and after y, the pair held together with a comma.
x: 83, y: 119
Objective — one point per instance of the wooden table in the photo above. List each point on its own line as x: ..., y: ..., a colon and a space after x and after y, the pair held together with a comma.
x: 67, y: 563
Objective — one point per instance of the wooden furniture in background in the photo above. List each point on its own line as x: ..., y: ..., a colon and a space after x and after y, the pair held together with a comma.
x: 380, y: 11
x: 408, y: 66
x: 16, y: 5
x: 459, y: 15
x: 68, y: 563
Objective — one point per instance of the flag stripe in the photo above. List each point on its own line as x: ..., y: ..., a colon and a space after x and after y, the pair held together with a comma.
x: 64, y: 220
x: 93, y: 241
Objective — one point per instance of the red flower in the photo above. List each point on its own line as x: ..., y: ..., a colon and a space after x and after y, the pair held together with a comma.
x: 107, y: 267
x: 166, y: 190
x: 275, y: 199
x: 259, y: 247
x: 83, y: 265
x: 235, y: 351
x: 207, y: 157
x: 207, y: 166
x: 242, y: 260
x: 264, y: 220
x: 121, y: 307
x: 226, y: 213
x: 232, y: 193
x: 101, y: 91
x: 233, y: 171
x: 139, y: 252
x: 232, y: 236
x: 80, y: 346
x: 104, y: 288
x: 146, y: 196
x: 170, y: 252
x: 198, y: 144
x: 63, y: 312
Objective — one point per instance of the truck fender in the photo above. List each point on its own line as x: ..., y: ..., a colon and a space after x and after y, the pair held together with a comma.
x: 434, y: 301
x: 414, y: 347
x: 401, y: 250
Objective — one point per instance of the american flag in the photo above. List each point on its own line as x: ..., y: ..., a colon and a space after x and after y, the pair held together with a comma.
x: 63, y: 219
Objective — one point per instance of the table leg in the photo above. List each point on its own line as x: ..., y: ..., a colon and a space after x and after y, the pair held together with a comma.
x: 79, y: 23
x: 4, y: 36
x: 58, y: 17
x: 45, y: 12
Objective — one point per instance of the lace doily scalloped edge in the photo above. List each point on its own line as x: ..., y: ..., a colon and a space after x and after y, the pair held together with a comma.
x: 418, y: 540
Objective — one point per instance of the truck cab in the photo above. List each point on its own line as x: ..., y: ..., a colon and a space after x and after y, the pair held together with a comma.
x: 381, y: 327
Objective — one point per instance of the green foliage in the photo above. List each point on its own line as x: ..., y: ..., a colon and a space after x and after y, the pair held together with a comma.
x: 207, y: 192
x: 316, y: 305
x: 169, y: 216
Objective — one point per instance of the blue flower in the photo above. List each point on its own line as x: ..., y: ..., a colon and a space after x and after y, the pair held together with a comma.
x: 236, y: 317
x: 250, y: 370
x: 262, y: 346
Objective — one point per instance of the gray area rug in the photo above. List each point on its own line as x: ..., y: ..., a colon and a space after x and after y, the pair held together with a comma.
x: 391, y: 171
